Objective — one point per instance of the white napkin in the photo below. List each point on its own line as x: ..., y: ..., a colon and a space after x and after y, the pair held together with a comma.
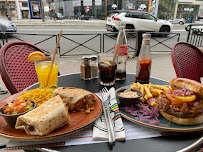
x: 100, y: 129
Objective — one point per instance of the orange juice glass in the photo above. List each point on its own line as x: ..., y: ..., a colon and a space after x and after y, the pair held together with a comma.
x: 47, y: 76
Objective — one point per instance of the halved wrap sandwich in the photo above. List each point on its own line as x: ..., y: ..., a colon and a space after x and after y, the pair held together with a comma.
x: 75, y: 98
x: 51, y: 115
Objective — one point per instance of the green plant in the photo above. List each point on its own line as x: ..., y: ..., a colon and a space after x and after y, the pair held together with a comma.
x: 103, y: 16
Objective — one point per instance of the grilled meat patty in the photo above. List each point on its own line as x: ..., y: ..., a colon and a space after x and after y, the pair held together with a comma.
x: 185, y: 110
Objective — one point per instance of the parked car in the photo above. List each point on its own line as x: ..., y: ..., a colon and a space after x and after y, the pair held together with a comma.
x: 199, y: 20
x: 196, y: 24
x: 58, y: 16
x: 7, y: 26
x: 85, y: 17
x: 180, y: 21
x: 139, y: 20
x: 110, y: 25
x: 195, y: 28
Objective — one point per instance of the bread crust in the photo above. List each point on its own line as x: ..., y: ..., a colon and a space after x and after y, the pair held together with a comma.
x: 191, y: 85
x: 183, y: 121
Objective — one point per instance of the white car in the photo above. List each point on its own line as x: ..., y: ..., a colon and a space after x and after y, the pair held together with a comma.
x: 138, y: 20
x: 199, y: 20
x: 180, y: 21
x: 110, y: 25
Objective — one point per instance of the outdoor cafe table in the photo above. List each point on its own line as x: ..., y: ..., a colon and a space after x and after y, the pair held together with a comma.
x: 157, y: 144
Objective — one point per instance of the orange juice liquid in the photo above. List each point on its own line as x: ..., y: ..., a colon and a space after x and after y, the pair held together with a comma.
x: 43, y: 69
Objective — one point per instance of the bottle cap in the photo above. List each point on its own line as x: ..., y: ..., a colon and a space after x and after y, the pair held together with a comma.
x: 146, y: 36
x: 93, y: 57
x: 85, y: 58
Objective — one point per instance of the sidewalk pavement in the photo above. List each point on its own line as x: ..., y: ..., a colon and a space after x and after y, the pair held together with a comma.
x: 64, y: 22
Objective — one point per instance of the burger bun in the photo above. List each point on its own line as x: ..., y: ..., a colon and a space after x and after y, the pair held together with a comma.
x: 191, y: 85
x: 183, y: 121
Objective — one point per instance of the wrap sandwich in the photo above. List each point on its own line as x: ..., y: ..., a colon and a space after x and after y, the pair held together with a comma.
x: 75, y: 98
x: 51, y: 115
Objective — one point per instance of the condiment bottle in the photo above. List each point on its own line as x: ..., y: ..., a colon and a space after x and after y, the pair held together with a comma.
x: 85, y: 69
x: 94, y: 67
x: 144, y: 61
x: 122, y: 53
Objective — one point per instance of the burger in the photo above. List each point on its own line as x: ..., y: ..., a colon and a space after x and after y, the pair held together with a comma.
x: 183, y: 103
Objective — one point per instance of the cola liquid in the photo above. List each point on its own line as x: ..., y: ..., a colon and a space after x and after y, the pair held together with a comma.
x: 107, y: 73
x: 121, y: 75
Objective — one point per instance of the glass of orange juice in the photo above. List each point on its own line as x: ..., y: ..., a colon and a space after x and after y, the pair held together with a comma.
x: 47, y: 71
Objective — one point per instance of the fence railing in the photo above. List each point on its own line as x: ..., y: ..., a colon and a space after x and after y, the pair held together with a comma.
x: 195, y: 34
x: 165, y: 37
x: 109, y: 40
x: 39, y: 40
x: 80, y: 44
x: 85, y: 44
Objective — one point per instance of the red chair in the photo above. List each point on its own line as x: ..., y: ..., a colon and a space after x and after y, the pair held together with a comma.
x: 187, y: 61
x: 16, y: 72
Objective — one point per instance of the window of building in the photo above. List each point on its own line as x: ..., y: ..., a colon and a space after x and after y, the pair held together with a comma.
x: 24, y: 4
x: 166, y: 9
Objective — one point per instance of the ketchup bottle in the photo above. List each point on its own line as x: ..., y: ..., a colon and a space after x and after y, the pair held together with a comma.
x: 144, y: 61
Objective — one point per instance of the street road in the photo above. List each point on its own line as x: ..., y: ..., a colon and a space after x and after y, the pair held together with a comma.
x: 82, y: 43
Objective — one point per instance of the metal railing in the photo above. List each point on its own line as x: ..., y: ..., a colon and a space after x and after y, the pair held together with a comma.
x: 165, y: 37
x: 109, y: 40
x: 36, y: 39
x: 85, y: 44
x: 80, y: 44
x: 135, y: 40
x: 70, y: 44
x: 195, y: 34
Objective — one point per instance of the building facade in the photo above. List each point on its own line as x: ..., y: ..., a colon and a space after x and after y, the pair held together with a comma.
x: 98, y: 9
x: 169, y: 9
x: 7, y: 5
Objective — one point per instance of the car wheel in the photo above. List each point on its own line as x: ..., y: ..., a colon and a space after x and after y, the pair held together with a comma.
x: 114, y: 29
x: 164, y: 29
x: 181, y: 23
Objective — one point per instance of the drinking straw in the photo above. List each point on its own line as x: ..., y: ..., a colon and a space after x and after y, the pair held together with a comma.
x: 117, y: 50
x: 53, y: 59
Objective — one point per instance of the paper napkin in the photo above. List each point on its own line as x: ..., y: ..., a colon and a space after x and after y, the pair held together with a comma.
x: 100, y: 129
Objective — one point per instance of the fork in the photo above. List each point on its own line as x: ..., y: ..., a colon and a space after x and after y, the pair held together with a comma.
x: 105, y: 101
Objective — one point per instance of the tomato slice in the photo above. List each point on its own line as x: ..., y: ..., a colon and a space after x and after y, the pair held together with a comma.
x: 179, y: 100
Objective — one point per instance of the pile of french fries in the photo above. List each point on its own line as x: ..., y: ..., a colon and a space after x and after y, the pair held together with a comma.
x: 149, y: 91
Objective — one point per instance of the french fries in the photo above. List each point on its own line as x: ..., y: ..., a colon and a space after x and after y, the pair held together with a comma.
x: 149, y: 91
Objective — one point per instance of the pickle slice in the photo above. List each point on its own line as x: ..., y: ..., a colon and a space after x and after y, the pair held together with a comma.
x: 186, y: 98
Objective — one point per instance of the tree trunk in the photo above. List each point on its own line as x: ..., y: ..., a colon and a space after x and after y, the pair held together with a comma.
x: 42, y: 8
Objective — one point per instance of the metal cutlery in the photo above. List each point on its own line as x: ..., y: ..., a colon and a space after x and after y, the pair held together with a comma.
x: 109, y: 122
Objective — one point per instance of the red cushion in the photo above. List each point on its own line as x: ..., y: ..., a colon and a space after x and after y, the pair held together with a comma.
x: 187, y: 61
x: 17, y: 73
